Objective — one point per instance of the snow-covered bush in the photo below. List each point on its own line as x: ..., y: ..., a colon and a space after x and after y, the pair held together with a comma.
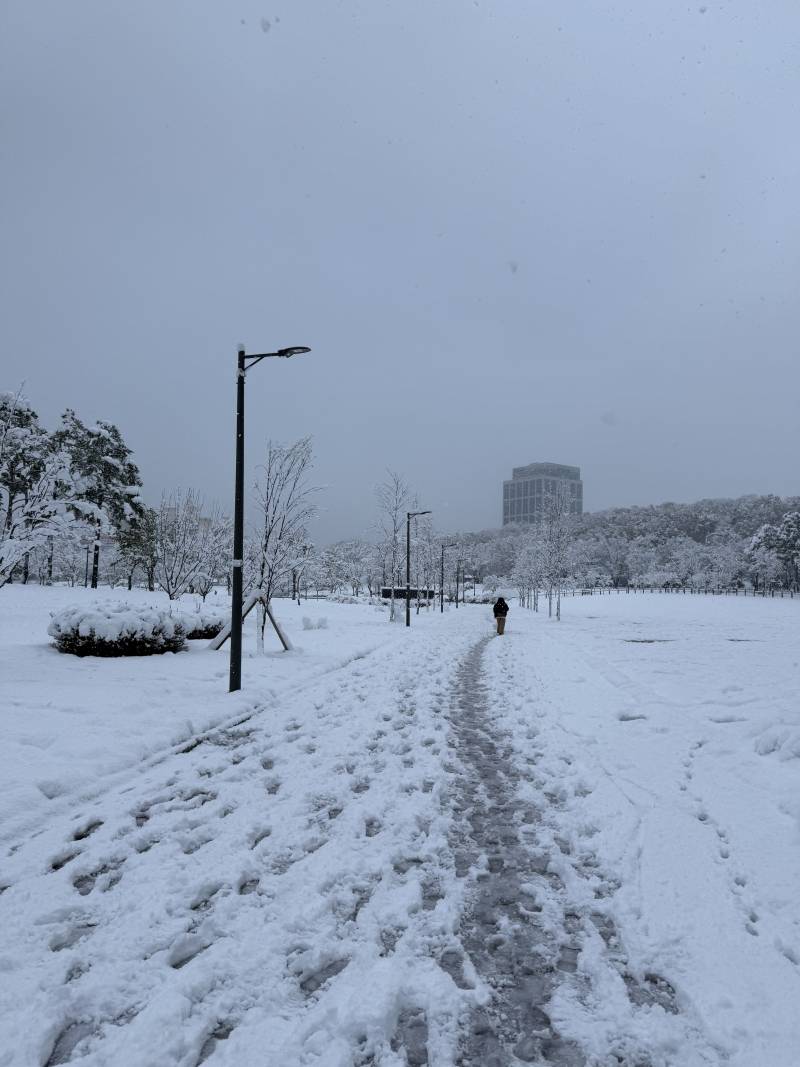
x: 199, y: 625
x: 320, y: 624
x: 116, y: 630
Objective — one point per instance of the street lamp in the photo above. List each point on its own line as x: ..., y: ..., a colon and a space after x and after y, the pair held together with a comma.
x: 409, y: 516
x: 441, y: 576
x: 245, y: 362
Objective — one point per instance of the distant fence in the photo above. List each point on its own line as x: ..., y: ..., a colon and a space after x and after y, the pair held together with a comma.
x: 682, y: 590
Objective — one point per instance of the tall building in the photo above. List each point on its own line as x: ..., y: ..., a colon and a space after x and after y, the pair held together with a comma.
x: 527, y: 489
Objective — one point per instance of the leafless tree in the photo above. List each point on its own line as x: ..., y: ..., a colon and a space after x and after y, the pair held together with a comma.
x: 556, y: 532
x: 286, y: 504
x: 393, y: 497
x: 187, y: 541
x: 216, y: 553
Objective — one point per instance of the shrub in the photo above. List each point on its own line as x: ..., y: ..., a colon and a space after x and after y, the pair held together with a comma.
x: 320, y: 624
x: 116, y: 630
x: 199, y: 625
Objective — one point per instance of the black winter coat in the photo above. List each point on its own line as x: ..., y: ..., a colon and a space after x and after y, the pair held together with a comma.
x: 500, y: 608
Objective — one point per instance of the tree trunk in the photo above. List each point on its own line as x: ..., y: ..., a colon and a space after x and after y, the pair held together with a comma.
x: 261, y: 622
x: 95, y: 563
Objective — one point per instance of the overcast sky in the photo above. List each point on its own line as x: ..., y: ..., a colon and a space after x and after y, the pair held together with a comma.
x: 510, y: 232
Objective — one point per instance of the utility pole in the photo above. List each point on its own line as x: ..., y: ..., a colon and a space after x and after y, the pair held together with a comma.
x: 409, y: 516
x: 235, y: 674
x: 244, y: 362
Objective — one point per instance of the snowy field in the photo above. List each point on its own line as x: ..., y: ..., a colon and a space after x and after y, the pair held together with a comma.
x: 68, y: 722
x: 577, y: 844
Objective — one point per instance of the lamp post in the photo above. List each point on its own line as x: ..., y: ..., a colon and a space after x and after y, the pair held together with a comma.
x: 409, y: 516
x: 441, y: 577
x: 244, y: 363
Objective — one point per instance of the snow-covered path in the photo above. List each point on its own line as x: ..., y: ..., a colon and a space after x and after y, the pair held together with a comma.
x: 537, y: 902
x: 448, y: 850
x: 209, y: 905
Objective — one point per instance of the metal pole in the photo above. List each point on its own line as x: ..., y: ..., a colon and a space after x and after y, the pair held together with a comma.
x: 458, y: 564
x: 238, y: 536
x: 408, y: 568
x: 96, y: 558
x: 86, y: 575
x: 441, y: 586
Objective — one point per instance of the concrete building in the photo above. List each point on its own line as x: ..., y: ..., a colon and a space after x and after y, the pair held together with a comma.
x: 527, y: 489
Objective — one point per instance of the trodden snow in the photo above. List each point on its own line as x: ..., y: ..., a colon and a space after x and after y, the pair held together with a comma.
x: 576, y: 844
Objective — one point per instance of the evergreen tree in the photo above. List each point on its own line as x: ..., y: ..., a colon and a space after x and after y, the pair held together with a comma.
x: 35, y: 486
x: 106, y: 478
x: 138, y: 546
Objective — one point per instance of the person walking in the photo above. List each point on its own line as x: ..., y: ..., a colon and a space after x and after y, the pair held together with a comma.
x: 500, y: 612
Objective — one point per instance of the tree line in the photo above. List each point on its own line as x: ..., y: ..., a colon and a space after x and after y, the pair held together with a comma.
x: 71, y: 511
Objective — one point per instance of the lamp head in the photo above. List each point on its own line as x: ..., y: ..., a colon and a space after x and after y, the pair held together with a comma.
x: 298, y: 350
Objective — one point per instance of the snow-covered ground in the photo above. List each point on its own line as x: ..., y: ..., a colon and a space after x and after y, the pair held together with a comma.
x: 673, y: 724
x: 576, y: 844
x: 69, y: 723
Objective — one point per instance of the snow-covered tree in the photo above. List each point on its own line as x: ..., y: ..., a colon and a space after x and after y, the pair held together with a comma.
x: 526, y: 574
x: 783, y: 539
x: 187, y: 542
x: 286, y: 506
x: 137, y: 543
x: 354, y: 557
x: 557, y: 528
x: 334, y: 572
x: 106, y: 479
x: 393, y: 496
x: 37, y: 498
x: 491, y: 583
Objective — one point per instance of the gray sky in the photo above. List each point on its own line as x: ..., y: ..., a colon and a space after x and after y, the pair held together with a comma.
x: 510, y: 232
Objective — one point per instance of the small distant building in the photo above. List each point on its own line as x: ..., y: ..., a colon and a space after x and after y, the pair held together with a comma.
x: 528, y: 487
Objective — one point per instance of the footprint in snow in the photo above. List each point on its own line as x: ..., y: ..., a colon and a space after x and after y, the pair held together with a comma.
x: 87, y: 829
x: 221, y: 1032
x: 411, y: 1036
x: 204, y: 896
x: 195, y: 844
x: 63, y: 859
x: 452, y: 963
x: 314, y: 980
x: 71, y: 936
x: 186, y: 949
x: 85, y: 883
x: 259, y: 835
x: 73, y: 1038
